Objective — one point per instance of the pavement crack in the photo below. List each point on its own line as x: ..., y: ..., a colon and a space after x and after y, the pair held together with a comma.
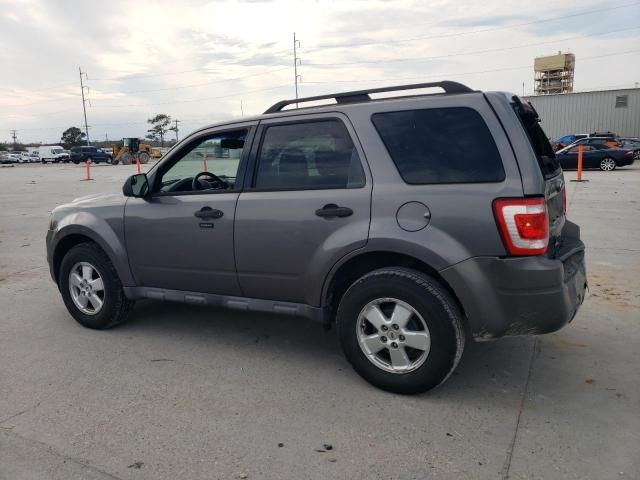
x: 507, y: 463
x: 21, y: 412
x: 55, y: 453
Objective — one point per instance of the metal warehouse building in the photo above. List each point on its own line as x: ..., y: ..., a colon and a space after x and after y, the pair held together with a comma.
x: 585, y: 112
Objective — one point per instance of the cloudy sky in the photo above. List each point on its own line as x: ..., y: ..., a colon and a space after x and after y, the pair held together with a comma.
x: 205, y: 61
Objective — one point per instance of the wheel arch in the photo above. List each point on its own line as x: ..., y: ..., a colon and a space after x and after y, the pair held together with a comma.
x: 349, y: 270
x: 72, y: 235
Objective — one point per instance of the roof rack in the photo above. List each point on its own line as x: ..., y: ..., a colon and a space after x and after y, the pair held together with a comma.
x: 363, y: 95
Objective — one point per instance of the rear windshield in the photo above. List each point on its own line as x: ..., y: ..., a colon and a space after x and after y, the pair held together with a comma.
x: 549, y: 165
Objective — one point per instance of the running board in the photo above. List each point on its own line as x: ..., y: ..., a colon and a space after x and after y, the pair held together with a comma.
x: 317, y: 314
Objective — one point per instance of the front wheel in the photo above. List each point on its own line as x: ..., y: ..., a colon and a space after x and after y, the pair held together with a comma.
x: 607, y: 164
x: 91, y: 288
x: 401, y: 330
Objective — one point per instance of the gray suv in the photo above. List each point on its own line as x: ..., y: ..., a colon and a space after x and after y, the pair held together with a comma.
x: 413, y: 223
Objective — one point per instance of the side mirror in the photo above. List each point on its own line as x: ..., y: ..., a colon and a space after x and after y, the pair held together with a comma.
x: 136, y: 186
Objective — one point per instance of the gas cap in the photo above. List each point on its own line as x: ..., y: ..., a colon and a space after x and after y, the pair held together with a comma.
x: 413, y: 216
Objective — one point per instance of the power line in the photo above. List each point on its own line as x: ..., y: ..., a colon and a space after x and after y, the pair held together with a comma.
x: 194, y: 99
x: 471, y: 32
x: 441, y: 75
x: 462, y: 54
x: 177, y: 87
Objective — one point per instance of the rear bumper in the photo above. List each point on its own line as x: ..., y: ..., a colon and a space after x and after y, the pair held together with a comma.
x: 521, y: 295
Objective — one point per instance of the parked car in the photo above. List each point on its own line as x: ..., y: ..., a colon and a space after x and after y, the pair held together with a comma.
x: 607, y: 139
x: 5, y: 159
x: 14, y: 157
x: 94, y: 154
x: 567, y: 140
x: 632, y: 144
x: 347, y: 214
x: 26, y: 157
x: 606, y: 159
x: 52, y: 153
x: 598, y: 142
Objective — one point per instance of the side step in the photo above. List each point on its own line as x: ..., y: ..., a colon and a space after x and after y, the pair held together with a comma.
x: 317, y: 314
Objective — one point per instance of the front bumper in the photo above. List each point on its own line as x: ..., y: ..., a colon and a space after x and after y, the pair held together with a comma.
x: 522, y: 295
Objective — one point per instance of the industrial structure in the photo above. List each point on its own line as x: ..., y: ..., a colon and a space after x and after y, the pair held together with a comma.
x: 615, y: 111
x: 554, y: 74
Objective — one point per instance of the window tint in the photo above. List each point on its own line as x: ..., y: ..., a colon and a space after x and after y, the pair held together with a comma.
x: 218, y: 154
x: 530, y: 121
x: 308, y: 155
x: 440, y: 145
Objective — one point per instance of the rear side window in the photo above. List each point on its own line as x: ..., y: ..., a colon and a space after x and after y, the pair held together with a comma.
x: 308, y: 155
x: 440, y: 145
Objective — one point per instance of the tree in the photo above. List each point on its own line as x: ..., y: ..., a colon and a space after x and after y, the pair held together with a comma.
x: 72, y: 137
x: 160, y: 124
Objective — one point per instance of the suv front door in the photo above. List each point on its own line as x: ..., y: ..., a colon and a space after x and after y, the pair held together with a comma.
x: 181, y: 236
x: 306, y: 205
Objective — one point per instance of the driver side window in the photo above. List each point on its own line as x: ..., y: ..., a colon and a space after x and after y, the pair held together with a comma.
x: 207, y: 164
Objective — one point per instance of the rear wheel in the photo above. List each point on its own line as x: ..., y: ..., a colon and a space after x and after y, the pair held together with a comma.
x: 91, y: 288
x: 607, y: 164
x: 401, y: 330
x: 144, y: 157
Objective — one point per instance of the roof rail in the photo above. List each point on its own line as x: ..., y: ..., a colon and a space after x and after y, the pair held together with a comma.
x: 363, y: 95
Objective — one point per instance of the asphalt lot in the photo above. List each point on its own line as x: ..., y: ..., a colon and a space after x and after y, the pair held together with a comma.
x: 192, y: 393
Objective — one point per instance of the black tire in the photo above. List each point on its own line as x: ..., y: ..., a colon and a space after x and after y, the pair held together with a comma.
x: 76, y: 161
x: 116, y: 306
x: 436, y: 306
x: 43, y: 161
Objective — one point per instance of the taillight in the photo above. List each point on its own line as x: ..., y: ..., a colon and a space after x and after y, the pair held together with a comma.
x: 524, y: 224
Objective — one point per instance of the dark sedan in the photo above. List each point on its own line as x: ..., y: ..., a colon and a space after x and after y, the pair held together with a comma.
x: 605, y: 159
x: 96, y: 155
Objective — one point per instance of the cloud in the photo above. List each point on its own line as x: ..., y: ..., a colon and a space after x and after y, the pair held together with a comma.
x: 196, y: 60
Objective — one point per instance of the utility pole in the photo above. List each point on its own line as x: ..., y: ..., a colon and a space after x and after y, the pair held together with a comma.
x: 15, y: 140
x: 296, y: 77
x: 176, y: 128
x: 84, y: 106
x: 241, y: 109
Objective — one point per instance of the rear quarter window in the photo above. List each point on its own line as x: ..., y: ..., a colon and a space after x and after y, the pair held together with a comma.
x: 440, y: 145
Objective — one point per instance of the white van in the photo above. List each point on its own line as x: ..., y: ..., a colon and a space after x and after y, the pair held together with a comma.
x: 52, y: 153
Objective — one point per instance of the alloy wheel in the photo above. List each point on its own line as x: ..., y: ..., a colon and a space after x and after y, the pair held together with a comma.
x: 607, y: 164
x: 86, y: 288
x: 393, y: 335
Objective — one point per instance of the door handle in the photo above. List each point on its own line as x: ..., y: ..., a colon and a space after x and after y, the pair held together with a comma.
x: 208, y: 213
x: 331, y: 210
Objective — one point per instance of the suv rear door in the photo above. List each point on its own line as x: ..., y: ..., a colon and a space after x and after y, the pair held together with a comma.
x: 549, y: 166
x: 307, y: 204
